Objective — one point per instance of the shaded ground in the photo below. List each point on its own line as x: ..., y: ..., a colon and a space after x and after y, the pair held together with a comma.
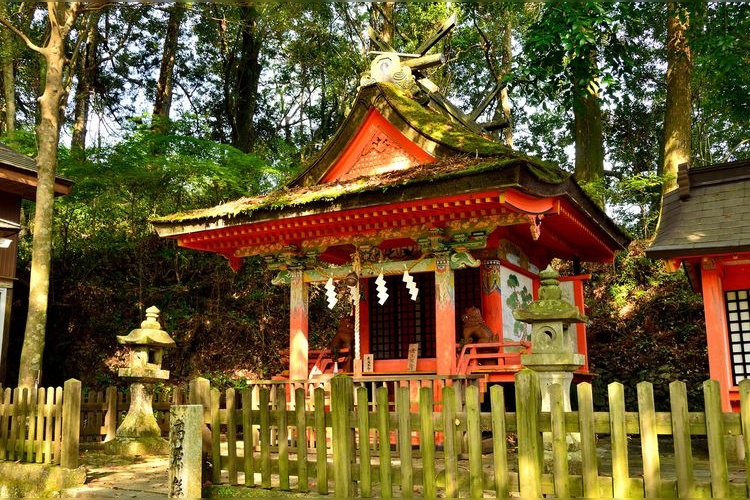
x: 110, y: 476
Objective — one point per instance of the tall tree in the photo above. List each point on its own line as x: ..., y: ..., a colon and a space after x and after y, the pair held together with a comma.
x: 678, y: 112
x: 86, y: 75
x: 165, y: 84
x: 7, y: 58
x: 61, y: 17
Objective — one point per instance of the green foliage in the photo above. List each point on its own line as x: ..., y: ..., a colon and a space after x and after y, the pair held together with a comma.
x: 645, y: 324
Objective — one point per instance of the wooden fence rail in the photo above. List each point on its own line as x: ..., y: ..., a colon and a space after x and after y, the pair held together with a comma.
x: 103, y: 411
x: 41, y: 426
x: 339, y: 442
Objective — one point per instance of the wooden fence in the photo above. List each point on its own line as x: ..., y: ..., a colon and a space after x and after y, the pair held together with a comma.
x: 103, y: 411
x: 41, y: 426
x: 433, y: 446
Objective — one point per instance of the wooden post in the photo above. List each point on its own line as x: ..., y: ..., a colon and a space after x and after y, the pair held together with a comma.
x: 716, y: 434
x: 341, y: 395
x: 492, y: 302
x: 110, y: 419
x: 445, y: 315
x: 649, y: 441
x: 719, y: 353
x: 499, y: 442
x: 530, y: 449
x: 71, y: 423
x: 298, y: 328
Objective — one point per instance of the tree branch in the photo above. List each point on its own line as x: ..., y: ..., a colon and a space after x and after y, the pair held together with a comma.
x: 20, y: 34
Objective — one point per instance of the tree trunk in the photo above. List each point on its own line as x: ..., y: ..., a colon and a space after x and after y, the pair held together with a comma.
x: 7, y: 54
x: 678, y: 112
x: 61, y: 16
x: 589, y: 137
x: 506, y: 59
x: 587, y: 122
x: 86, y: 78
x: 241, y: 81
x: 165, y: 84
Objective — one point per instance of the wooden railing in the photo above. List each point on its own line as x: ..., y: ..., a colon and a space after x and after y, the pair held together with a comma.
x: 341, y: 444
x: 41, y: 426
x: 491, y: 356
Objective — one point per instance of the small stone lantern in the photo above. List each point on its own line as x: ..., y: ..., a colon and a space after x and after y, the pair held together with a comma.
x: 552, y: 348
x: 139, y: 433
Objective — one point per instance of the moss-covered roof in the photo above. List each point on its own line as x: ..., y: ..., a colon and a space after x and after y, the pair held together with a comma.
x: 443, y: 170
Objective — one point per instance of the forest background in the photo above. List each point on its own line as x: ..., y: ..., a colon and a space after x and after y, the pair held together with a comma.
x: 166, y: 107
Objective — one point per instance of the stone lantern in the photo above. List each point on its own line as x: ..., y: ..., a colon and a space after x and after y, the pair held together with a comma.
x: 552, y: 353
x: 139, y: 433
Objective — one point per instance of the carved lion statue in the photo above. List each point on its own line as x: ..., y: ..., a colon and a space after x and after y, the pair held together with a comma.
x: 343, y: 339
x: 475, y: 330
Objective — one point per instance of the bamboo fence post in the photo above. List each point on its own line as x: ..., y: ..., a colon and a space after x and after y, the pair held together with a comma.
x: 302, y: 472
x: 745, y: 422
x: 365, y: 461
x: 231, y: 435
x: 618, y: 440
x: 449, y: 442
x: 499, y: 443
x: 31, y: 425
x: 427, y: 441
x: 5, y: 415
x: 111, y: 417
x: 649, y: 441
x: 384, y: 443
x: 681, y: 438
x: 586, y: 426
x: 559, y: 442
x: 71, y: 423
x: 247, y: 436
x: 341, y: 394
x: 39, y: 437
x: 58, y: 410
x: 15, y: 415
x: 474, y: 435
x: 265, y: 437
x: 321, y: 444
x: 282, y: 438
x: 716, y: 446
x: 49, y: 425
x: 530, y: 448
x: 403, y: 412
x: 215, y: 416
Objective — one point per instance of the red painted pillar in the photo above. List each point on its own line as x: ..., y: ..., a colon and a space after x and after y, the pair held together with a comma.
x: 298, y: 329
x: 719, y: 353
x: 445, y: 312
x: 492, y: 300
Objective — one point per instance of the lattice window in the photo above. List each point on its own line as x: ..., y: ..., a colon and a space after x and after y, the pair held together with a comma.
x: 468, y: 294
x: 738, y: 320
x: 402, y: 321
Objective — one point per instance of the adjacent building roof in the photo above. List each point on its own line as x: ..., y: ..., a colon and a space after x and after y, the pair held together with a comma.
x: 708, y: 213
x: 18, y: 175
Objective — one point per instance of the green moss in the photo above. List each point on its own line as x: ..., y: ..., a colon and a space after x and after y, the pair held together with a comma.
x: 473, y: 154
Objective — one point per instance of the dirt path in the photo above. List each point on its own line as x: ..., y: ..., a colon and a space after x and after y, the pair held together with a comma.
x: 127, y: 477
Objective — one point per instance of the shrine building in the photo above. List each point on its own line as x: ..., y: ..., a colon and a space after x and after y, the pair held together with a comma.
x: 705, y: 229
x: 424, y: 215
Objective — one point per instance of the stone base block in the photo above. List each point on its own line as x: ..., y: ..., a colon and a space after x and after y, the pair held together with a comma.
x: 37, y: 480
x: 137, y: 446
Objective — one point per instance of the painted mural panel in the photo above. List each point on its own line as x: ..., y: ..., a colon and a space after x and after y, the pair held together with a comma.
x: 516, y: 291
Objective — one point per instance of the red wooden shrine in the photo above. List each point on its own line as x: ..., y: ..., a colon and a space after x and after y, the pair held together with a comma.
x: 705, y: 229
x: 410, y: 187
